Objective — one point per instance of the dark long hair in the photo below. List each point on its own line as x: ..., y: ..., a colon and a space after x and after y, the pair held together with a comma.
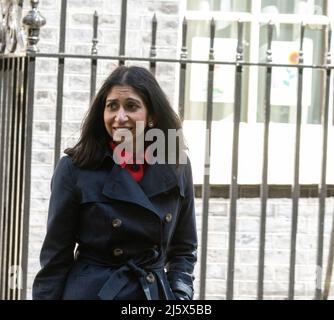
x: 90, y: 148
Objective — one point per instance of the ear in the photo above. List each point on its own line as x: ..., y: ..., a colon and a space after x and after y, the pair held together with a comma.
x: 153, y: 119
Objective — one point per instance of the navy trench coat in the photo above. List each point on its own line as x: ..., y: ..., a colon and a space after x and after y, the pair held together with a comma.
x: 109, y: 237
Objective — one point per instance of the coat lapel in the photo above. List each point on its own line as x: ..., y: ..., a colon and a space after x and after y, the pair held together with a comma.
x: 157, y: 179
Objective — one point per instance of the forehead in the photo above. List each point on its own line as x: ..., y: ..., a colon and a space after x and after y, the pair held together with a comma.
x: 123, y: 92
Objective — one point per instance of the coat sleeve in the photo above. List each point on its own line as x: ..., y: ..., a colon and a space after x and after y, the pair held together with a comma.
x: 182, y: 250
x: 57, y: 253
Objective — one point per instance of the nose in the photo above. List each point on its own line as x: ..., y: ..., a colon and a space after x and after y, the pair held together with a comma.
x: 121, y: 116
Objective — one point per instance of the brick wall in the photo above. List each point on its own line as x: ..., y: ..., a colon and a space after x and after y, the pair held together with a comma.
x: 276, y: 279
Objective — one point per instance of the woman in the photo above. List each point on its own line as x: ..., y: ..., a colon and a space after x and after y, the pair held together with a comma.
x: 118, y: 230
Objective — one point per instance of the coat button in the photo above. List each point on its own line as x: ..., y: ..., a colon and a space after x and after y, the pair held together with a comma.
x: 117, y: 252
x: 116, y: 223
x: 168, y: 217
x: 150, y: 277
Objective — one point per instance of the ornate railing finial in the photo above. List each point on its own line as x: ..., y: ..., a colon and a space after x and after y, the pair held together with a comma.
x: 184, y: 39
x: 95, y: 26
x: 329, y: 41
x: 34, y: 21
x: 270, y: 40
x: 240, y: 46
x: 153, y: 49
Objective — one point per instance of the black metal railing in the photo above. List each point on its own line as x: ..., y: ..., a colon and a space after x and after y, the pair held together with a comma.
x: 16, y: 112
x: 16, y: 97
x: 13, y: 74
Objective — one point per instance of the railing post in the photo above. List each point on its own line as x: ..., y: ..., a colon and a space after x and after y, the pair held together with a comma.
x: 207, y: 160
x: 234, y: 170
x: 153, y: 49
x: 122, y: 37
x: 33, y: 21
x: 295, y: 194
x: 330, y: 258
x: 60, y: 83
x: 264, y: 186
x: 93, y: 68
x: 323, y: 182
x: 183, y: 69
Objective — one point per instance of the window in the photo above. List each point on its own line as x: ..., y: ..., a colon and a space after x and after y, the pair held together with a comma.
x: 218, y: 5
x: 287, y: 16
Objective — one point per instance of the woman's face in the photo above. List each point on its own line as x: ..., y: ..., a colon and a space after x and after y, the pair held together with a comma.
x: 123, y: 109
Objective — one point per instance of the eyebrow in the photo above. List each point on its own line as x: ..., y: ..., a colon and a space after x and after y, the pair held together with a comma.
x: 128, y: 99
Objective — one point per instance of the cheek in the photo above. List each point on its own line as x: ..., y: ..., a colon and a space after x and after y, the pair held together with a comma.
x: 106, y: 117
x: 107, y: 120
x: 142, y: 116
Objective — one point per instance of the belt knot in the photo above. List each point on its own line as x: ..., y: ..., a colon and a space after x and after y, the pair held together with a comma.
x: 139, y: 272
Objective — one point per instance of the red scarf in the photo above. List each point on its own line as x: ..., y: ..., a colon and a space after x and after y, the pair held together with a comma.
x: 136, y: 170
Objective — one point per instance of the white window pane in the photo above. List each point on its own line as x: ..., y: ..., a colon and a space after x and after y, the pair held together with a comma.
x: 311, y: 7
x: 219, y: 5
x: 225, y: 50
x: 288, y: 36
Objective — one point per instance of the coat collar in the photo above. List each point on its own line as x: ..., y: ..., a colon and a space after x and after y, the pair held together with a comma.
x: 158, y: 178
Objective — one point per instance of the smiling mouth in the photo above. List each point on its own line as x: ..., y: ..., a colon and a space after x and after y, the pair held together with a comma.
x: 122, y: 128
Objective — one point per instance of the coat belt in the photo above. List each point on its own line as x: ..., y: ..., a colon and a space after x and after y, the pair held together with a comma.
x: 149, y: 261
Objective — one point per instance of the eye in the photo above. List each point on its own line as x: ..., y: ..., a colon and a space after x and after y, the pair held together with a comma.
x: 132, y: 106
x: 112, y: 105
